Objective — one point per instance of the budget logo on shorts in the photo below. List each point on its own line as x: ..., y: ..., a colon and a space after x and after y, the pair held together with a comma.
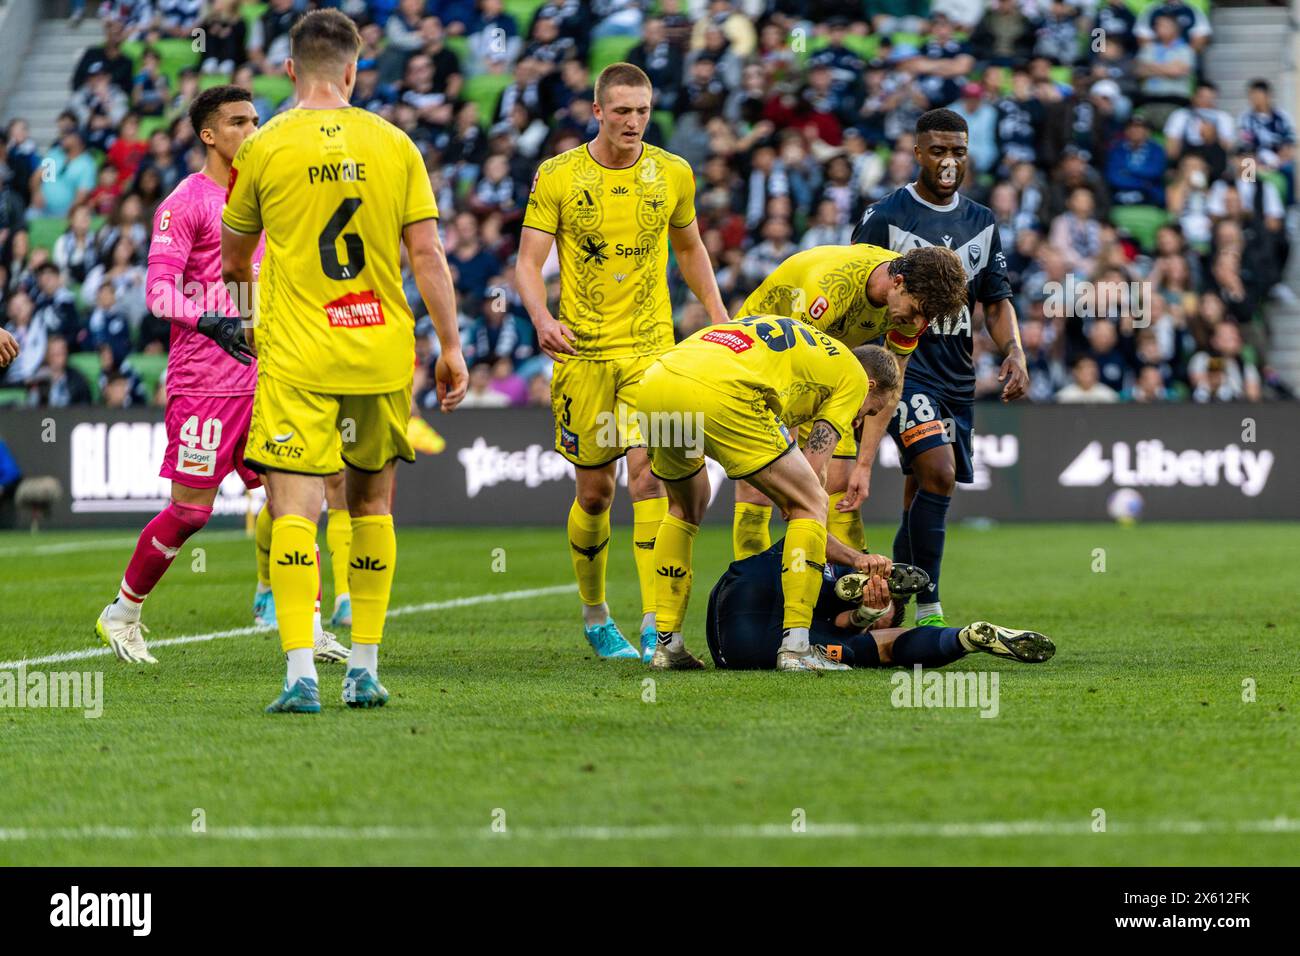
x: 568, y: 441
x: 736, y: 341
x: 355, y: 310
x: 201, y: 462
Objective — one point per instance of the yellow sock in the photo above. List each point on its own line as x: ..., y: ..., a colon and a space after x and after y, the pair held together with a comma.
x: 338, y: 538
x: 802, y: 561
x: 749, y: 532
x: 846, y: 525
x: 672, y: 561
x: 589, y: 549
x: 294, y: 579
x: 262, y: 540
x: 370, y: 575
x: 647, y: 516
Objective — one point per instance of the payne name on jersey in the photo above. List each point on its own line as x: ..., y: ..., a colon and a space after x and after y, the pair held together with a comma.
x: 345, y: 171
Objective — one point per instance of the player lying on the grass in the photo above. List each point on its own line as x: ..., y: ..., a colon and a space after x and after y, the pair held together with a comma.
x: 338, y: 538
x: 210, y: 372
x: 338, y: 192
x: 848, y: 629
x: 855, y: 294
x: 732, y: 391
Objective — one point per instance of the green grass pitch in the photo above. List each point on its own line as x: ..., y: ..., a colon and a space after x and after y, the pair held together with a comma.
x: 501, y: 714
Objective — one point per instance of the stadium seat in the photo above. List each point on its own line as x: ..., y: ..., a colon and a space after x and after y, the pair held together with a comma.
x: 666, y: 122
x: 148, y: 368
x: 12, y: 396
x: 251, y: 12
x: 133, y: 50
x: 87, y: 363
x: 609, y: 50
x: 523, y: 11
x: 485, y: 89
x: 43, y: 230
x: 1140, y: 222
x: 176, y: 54
x: 151, y: 124
x: 274, y: 89
x: 209, y: 80
x: 459, y: 46
x: 914, y: 40
x: 1061, y: 74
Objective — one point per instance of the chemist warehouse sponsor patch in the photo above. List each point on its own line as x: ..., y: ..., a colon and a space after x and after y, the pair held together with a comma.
x: 355, y: 310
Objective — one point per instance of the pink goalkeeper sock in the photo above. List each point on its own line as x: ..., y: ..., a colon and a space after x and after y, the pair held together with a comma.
x: 159, y: 543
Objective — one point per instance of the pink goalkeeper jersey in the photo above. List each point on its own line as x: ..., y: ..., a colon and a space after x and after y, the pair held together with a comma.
x: 186, y: 251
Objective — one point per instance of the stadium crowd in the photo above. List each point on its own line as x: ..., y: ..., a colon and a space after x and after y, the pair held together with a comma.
x: 1144, y: 227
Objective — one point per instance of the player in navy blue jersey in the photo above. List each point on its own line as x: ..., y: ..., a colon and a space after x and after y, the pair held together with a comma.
x: 933, y: 422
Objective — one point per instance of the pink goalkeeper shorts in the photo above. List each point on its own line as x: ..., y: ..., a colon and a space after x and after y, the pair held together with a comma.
x: 205, y: 439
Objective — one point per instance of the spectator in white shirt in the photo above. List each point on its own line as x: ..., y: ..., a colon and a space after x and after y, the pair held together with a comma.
x: 1086, y: 387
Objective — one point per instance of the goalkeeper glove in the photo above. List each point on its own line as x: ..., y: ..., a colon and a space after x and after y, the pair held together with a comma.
x: 228, y: 332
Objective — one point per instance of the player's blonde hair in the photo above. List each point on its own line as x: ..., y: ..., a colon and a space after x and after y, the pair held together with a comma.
x: 620, y: 74
x: 935, y: 277
x: 882, y: 368
x: 324, y: 41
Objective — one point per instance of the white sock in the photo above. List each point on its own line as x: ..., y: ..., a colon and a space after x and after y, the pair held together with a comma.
x: 925, y: 610
x: 795, y: 639
x: 315, y: 624
x: 593, y: 614
x: 365, y: 655
x: 648, y: 621
x: 674, y: 642
x: 262, y: 588
x: 124, y: 609
x: 300, y: 664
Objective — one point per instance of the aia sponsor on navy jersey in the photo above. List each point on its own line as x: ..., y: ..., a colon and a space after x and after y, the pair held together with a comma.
x: 903, y: 221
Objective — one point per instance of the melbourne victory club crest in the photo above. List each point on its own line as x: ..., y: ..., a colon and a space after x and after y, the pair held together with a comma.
x: 973, y: 254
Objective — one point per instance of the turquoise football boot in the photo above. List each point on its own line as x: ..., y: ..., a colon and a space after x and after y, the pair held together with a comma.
x: 264, y: 609
x: 649, y: 639
x: 302, y: 698
x: 608, y: 641
x: 343, y: 613
x: 362, y: 689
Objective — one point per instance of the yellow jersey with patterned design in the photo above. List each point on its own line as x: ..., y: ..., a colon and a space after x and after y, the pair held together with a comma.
x: 611, y: 231
x: 800, y: 373
x: 826, y: 286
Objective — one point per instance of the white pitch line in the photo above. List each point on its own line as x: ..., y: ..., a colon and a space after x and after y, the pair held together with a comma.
x: 95, y: 544
x: 836, y: 831
x: 241, y: 631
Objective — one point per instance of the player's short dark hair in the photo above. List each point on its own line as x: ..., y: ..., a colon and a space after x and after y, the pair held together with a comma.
x: 882, y: 368
x: 620, y: 74
x: 326, y: 39
x: 204, y: 106
x: 1261, y: 84
x: 940, y: 121
x: 935, y: 278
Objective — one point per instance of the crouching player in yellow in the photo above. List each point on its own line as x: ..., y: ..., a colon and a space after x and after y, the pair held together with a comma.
x: 855, y: 294
x: 734, y: 392
x: 336, y: 190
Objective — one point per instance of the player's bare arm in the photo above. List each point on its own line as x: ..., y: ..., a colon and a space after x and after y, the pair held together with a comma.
x: 1000, y: 320
x: 237, y: 250
x: 873, y: 430
x: 8, y: 348
x: 697, y: 270
x: 555, y: 338
x: 433, y: 279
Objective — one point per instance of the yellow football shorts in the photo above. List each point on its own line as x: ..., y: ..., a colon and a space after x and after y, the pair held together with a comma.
x: 594, y: 403
x: 742, y: 435
x: 315, y: 433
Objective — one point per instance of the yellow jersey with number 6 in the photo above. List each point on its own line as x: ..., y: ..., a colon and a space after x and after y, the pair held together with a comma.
x: 332, y: 189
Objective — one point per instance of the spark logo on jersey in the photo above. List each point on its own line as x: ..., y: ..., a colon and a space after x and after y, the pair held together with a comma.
x: 355, y: 310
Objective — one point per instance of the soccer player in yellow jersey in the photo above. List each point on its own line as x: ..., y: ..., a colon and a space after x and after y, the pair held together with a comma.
x: 336, y: 189
x: 735, y: 392
x: 855, y: 294
x: 613, y: 206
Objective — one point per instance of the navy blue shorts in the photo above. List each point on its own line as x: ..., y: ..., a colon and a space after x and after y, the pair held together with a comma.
x: 926, y: 419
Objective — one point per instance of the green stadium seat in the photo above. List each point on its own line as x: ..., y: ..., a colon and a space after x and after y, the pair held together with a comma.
x: 12, y: 396
x: 522, y: 11
x: 251, y: 12
x: 87, y: 363
x: 1277, y: 179
x: 459, y: 46
x: 151, y: 124
x: 609, y: 50
x: 148, y: 368
x: 209, y: 80
x: 43, y: 230
x: 1140, y: 222
x: 133, y: 50
x: 274, y: 89
x: 914, y: 40
x: 666, y: 122
x: 176, y: 54
x: 864, y: 46
x: 1061, y: 74
x: 485, y: 89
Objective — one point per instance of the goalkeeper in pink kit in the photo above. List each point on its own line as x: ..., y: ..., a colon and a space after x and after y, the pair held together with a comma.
x: 211, y: 372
